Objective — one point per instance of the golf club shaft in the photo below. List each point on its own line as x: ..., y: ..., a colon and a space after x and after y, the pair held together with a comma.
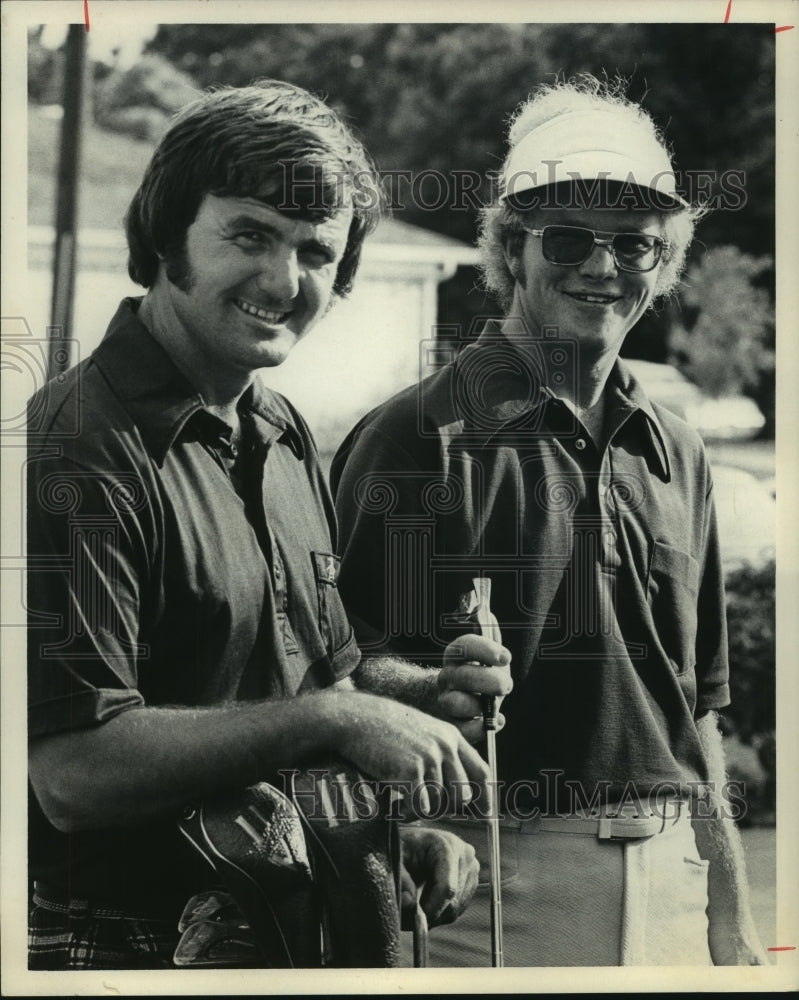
x: 420, y: 936
x: 493, y: 849
x: 490, y: 628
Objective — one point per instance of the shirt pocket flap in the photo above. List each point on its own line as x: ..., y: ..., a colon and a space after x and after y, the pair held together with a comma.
x: 326, y: 568
x: 669, y: 563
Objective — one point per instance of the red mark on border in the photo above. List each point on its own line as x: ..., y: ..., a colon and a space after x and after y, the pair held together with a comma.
x: 86, y: 13
x: 791, y: 947
x: 785, y: 27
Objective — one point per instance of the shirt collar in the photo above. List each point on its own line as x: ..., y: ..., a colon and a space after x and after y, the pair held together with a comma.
x: 513, y: 399
x: 499, y: 383
x: 625, y: 392
x: 159, y: 397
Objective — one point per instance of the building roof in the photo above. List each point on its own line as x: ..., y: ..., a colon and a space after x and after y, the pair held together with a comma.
x: 392, y: 240
x: 393, y: 230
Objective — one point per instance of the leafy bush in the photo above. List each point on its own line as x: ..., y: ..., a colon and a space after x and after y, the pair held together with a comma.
x: 750, y: 622
x: 749, y: 723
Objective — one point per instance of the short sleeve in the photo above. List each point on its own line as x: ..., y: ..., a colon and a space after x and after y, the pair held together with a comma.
x: 712, y: 661
x: 85, y: 552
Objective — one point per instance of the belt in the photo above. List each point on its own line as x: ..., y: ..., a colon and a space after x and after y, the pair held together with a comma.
x: 607, y: 825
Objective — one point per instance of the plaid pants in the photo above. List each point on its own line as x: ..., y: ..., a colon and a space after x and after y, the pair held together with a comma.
x: 76, y: 934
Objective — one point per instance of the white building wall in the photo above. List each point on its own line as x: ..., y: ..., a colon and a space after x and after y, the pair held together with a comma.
x: 366, y: 349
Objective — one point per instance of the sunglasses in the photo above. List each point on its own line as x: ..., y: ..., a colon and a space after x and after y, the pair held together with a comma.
x: 571, y: 245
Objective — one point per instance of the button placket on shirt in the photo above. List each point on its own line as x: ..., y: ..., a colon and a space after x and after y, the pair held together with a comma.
x: 584, y: 590
x: 273, y: 555
x: 279, y: 574
x: 611, y: 560
x: 606, y: 507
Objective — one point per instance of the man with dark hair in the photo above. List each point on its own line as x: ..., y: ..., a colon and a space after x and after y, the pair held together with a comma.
x: 306, y: 170
x: 534, y: 459
x: 186, y: 637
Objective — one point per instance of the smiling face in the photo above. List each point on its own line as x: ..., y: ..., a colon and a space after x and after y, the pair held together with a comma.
x: 249, y: 284
x: 595, y: 302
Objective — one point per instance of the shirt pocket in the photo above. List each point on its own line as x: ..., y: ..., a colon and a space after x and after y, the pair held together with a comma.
x: 334, y: 627
x: 672, y: 591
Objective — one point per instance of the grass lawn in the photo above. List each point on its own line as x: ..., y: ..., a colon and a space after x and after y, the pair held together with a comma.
x: 111, y: 169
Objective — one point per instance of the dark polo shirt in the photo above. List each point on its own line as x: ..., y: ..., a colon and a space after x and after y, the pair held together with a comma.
x: 167, y: 569
x: 604, y: 563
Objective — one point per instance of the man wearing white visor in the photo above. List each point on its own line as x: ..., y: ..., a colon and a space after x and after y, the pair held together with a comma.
x: 536, y: 464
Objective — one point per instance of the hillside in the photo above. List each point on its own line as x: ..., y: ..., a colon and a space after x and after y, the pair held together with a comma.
x: 111, y: 169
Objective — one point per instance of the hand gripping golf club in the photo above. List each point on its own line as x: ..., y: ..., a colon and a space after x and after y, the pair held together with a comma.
x: 490, y: 629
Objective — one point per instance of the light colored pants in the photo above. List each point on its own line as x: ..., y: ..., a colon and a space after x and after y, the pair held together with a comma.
x: 575, y: 900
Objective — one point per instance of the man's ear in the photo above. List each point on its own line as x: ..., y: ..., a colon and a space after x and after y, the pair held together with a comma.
x: 512, y: 245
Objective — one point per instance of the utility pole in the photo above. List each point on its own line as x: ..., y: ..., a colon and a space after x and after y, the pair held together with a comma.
x: 72, y: 126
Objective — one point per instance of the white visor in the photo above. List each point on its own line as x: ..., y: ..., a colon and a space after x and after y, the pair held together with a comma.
x: 603, y: 144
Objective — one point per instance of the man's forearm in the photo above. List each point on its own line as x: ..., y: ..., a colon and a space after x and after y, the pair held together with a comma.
x: 732, y: 934
x: 401, y: 680
x: 150, y: 762
x: 146, y: 762
x: 473, y: 666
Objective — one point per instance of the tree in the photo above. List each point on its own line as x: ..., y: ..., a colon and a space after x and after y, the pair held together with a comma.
x: 724, y: 339
x: 45, y: 69
x: 437, y: 97
x: 140, y: 100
